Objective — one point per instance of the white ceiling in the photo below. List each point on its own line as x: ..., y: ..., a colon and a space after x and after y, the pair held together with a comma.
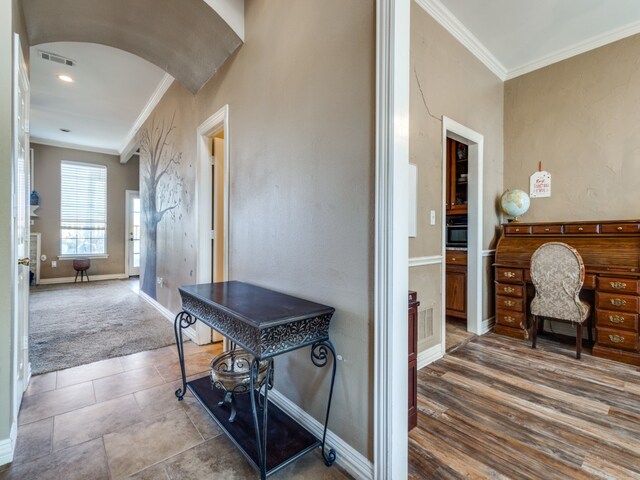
x: 110, y: 90
x: 519, y: 36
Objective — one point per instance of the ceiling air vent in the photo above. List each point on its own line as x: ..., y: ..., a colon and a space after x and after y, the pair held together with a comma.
x: 52, y: 57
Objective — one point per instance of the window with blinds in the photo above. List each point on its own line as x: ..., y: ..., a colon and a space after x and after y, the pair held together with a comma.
x: 83, y: 209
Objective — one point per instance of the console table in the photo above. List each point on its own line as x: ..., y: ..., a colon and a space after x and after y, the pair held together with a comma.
x: 611, y: 254
x: 266, y: 324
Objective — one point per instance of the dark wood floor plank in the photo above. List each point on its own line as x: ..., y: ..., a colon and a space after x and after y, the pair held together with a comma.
x: 495, y: 408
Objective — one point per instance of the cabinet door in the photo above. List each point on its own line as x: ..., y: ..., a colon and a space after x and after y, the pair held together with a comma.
x: 456, y: 291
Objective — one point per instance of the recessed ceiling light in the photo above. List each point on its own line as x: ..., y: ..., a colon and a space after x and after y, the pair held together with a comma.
x: 65, y: 78
x: 65, y: 130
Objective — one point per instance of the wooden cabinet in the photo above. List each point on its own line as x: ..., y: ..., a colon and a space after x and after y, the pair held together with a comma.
x: 457, y: 171
x: 413, y: 359
x: 456, y: 284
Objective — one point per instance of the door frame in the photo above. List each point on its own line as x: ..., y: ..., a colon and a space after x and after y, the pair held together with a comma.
x: 127, y: 219
x: 391, y: 241
x: 475, y: 140
x: 204, y: 196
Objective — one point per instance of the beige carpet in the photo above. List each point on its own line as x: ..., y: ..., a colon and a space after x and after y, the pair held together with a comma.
x: 75, y: 324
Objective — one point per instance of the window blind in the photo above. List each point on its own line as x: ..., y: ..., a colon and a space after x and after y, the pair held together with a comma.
x: 83, y: 208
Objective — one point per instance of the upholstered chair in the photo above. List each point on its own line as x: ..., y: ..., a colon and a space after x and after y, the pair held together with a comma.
x: 557, y: 273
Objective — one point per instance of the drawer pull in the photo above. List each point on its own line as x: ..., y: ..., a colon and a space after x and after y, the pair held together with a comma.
x: 509, y: 274
x: 517, y: 229
x: 616, y: 338
x: 546, y: 229
x: 580, y: 229
x: 618, y: 302
x: 509, y: 319
x: 619, y: 229
x: 616, y: 319
x: 618, y: 285
x: 453, y: 259
x: 509, y: 303
x: 508, y: 289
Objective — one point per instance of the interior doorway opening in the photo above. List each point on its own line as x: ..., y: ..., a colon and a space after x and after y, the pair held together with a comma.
x: 213, y: 207
x: 462, y: 231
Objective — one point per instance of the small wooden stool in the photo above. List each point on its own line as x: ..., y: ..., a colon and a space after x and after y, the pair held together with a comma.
x: 81, y: 265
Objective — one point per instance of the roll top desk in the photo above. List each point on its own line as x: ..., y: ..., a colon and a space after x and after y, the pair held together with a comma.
x: 611, y: 254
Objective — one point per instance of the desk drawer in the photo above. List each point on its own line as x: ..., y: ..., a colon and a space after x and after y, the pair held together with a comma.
x: 589, y: 281
x: 621, y: 339
x: 510, y: 319
x: 620, y: 228
x: 581, y: 229
x: 510, y: 303
x: 510, y: 275
x: 617, y: 302
x: 517, y: 230
x: 546, y: 229
x: 622, y: 285
x: 509, y: 290
x: 625, y: 321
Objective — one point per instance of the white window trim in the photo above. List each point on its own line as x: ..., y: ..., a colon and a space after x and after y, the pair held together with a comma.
x: 80, y: 255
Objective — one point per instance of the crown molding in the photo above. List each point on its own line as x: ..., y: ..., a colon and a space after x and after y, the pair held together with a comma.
x: 153, y: 101
x: 576, y: 49
x: 73, y: 146
x: 455, y: 27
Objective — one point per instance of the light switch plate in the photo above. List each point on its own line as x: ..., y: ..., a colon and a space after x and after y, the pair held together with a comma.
x: 433, y: 217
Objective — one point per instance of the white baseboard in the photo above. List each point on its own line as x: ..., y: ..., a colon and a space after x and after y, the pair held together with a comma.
x: 487, y: 325
x: 189, y: 332
x: 8, y: 445
x: 109, y: 276
x: 356, y: 464
x: 429, y: 355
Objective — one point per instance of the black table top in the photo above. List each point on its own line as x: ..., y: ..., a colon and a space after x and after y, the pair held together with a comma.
x: 257, y: 306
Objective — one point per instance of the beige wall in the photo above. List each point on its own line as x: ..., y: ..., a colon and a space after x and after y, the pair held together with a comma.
x: 457, y: 85
x: 301, y: 166
x: 47, y: 183
x: 580, y: 118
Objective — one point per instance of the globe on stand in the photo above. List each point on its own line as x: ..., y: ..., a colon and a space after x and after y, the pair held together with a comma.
x: 515, y: 203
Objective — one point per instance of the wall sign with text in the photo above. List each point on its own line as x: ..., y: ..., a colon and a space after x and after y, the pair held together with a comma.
x: 540, y: 184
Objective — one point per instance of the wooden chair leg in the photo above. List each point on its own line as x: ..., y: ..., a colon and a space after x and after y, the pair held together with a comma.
x: 87, y: 274
x: 579, y: 341
x: 77, y: 277
x: 534, y: 331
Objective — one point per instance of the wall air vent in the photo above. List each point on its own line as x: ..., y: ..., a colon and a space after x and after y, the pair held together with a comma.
x: 52, y: 57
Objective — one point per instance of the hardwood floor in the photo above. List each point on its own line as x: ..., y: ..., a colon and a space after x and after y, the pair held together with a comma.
x: 495, y: 408
x: 457, y: 335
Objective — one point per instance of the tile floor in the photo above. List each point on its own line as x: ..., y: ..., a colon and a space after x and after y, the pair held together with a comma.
x: 119, y: 418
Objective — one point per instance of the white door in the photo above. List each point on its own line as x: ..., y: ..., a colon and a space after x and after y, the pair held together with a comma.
x: 133, y: 232
x: 20, y: 227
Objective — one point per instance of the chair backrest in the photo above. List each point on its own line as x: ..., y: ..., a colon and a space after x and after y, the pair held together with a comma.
x: 557, y: 273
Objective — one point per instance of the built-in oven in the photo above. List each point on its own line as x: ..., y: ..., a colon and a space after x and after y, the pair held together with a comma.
x: 456, y: 232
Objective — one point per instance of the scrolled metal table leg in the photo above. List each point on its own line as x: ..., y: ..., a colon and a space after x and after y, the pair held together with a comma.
x: 260, y: 446
x: 183, y: 320
x: 319, y: 357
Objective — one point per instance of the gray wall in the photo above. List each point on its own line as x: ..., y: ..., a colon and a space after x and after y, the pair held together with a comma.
x: 47, y: 183
x: 301, y: 105
x: 457, y: 85
x: 580, y: 118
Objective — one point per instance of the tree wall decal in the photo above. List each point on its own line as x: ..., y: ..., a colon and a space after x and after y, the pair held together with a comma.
x: 162, y: 188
